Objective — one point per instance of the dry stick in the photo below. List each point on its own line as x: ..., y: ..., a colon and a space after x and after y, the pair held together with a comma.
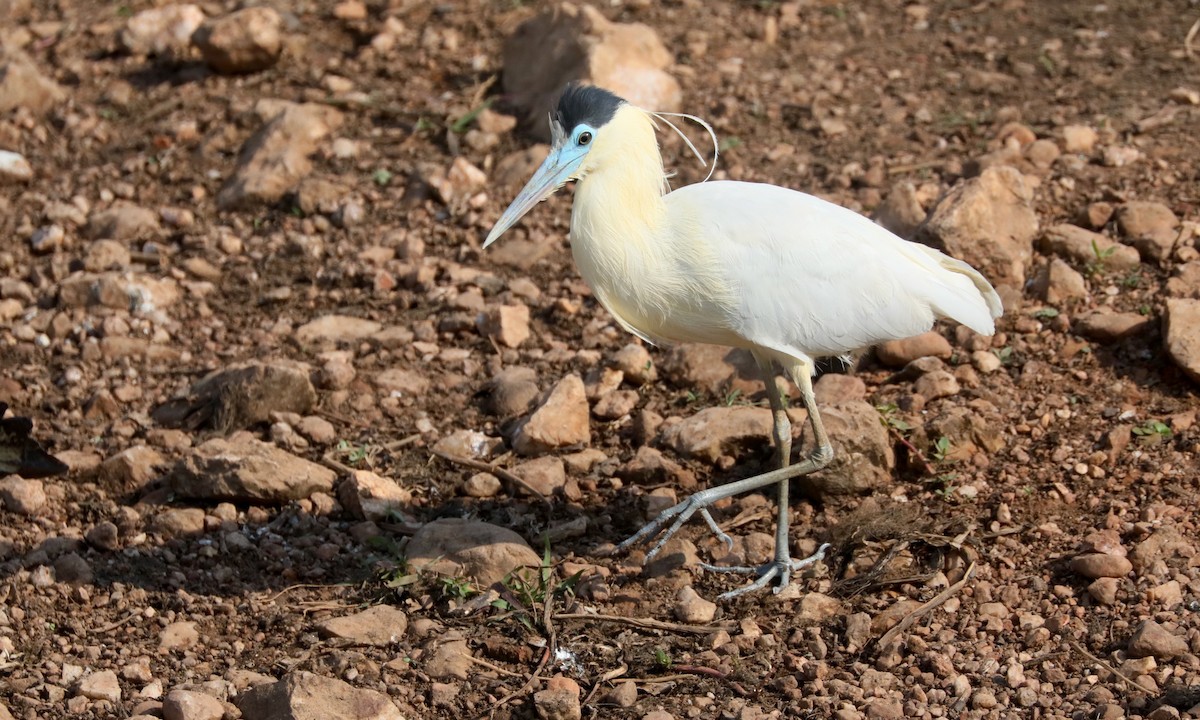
x: 300, y: 586
x: 1102, y: 663
x: 1191, y: 35
x: 643, y: 623
x: 489, y: 666
x: 336, y: 466
x: 898, y: 169
x: 912, y: 450
x: 920, y: 612
x: 114, y: 625
x: 606, y: 677
x: 488, y: 467
x: 397, y: 444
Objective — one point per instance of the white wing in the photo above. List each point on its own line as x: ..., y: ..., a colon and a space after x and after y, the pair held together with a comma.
x: 808, y: 278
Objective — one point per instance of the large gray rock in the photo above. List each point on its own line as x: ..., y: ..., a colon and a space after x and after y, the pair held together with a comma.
x: 305, y: 696
x: 276, y: 158
x: 576, y: 42
x: 242, y: 467
x: 989, y: 222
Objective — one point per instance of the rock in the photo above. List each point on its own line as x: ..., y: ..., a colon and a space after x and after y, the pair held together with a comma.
x: 1079, y: 139
x: 1086, y: 248
x: 72, y: 569
x: 14, y: 168
x: 104, y: 535
x: 402, y: 382
x: 559, y: 701
x: 178, y: 636
x: 1057, y: 282
x: 130, y: 470
x: 305, y: 696
x: 330, y: 329
x: 936, y: 384
x: 651, y: 467
x: 317, y: 429
x: 863, y: 458
x: 368, y: 496
x: 240, y: 396
x: 1095, y: 215
x: 246, y: 469
x: 515, y: 168
x: 506, y: 324
x: 1110, y: 327
x: 1152, y: 227
x: 1168, y: 594
x: 560, y: 421
x: 179, y: 522
x: 244, y: 41
x: 1165, y: 543
x: 191, y: 705
x: 276, y: 158
x: 378, y: 626
x: 106, y: 255
x: 545, y: 474
x: 1150, y: 639
x: 1181, y: 335
x: 458, y: 183
x: 693, y: 609
x: 714, y: 369
x: 635, y: 364
x: 901, y: 212
x: 989, y: 222
x: 465, y: 548
x: 122, y: 221
x: 616, y: 404
x: 22, y: 85
x: 816, y: 608
x: 676, y: 553
x: 1042, y: 153
x: 898, y: 353
x: 1185, y: 281
x: 1104, y: 590
x: 450, y: 659
x: 468, y: 444
x: 511, y: 392
x: 164, y: 30
x: 623, y: 694
x: 718, y: 431
x: 571, y: 42
x: 101, y: 685
x: 25, y: 497
x: 1098, y: 565
x: 835, y: 389
x: 482, y: 485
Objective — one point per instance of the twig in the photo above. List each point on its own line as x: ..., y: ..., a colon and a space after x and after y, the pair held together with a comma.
x: 687, y: 671
x: 606, y: 677
x: 643, y: 623
x: 404, y: 442
x: 920, y: 612
x: 114, y: 625
x: 1191, y: 35
x: 1104, y: 664
x: 490, y: 666
x: 300, y: 586
x: 488, y: 467
x: 336, y: 466
x: 913, y: 452
x: 900, y: 169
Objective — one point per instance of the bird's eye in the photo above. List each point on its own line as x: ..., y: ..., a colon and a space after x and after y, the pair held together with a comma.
x: 584, y: 138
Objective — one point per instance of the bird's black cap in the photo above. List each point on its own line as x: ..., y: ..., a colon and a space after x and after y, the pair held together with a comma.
x: 585, y: 104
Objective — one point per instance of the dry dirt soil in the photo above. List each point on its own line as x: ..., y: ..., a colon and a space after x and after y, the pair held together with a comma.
x: 920, y: 92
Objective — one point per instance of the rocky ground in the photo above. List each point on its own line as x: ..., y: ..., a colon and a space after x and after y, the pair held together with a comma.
x: 330, y: 459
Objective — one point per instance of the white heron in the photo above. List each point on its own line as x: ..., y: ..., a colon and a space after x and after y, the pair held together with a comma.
x: 788, y: 276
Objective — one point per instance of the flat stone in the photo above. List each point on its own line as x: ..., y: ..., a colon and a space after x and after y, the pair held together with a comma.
x: 863, y: 458
x: 545, y: 474
x: 379, y: 626
x: 25, y: 497
x: 1098, y: 565
x: 1150, y: 639
x: 247, y: 469
x: 1058, y: 282
x: 101, y: 685
x: 466, y: 548
x: 511, y: 392
x: 305, y: 696
x: 506, y: 324
x: 718, y: 431
x: 1152, y: 227
x: 898, y: 353
x: 191, y: 705
x: 559, y: 701
x: 368, y: 496
x: 693, y: 609
x: 178, y: 636
x: 1110, y: 327
x: 163, y: 30
x: 1086, y: 248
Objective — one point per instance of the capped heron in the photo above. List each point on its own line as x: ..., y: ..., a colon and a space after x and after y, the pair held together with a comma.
x: 785, y: 275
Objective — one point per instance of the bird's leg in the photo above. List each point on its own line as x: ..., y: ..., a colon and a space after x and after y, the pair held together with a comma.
x: 673, y: 518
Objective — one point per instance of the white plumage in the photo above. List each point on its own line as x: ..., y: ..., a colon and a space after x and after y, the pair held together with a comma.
x: 786, y: 275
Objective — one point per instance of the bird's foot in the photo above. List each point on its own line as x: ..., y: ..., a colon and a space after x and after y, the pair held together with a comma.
x: 779, y: 569
x: 670, y: 520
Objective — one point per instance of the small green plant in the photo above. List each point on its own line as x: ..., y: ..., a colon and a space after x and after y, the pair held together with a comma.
x: 1045, y: 313
x: 1133, y: 280
x: 732, y: 397
x: 729, y: 143
x: 355, y: 454
x: 944, y: 485
x: 529, y: 587
x: 457, y: 588
x: 1005, y: 354
x: 662, y: 659
x: 941, y: 448
x: 460, y: 125
x: 423, y: 124
x: 1102, y: 254
x: 1145, y: 310
x: 381, y: 177
x: 889, y: 415
x: 1152, y: 431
